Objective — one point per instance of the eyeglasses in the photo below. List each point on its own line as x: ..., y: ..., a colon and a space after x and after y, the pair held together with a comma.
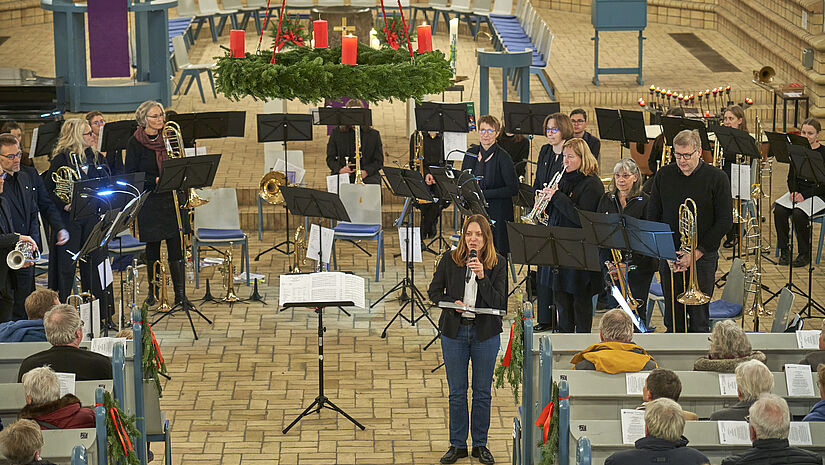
x: 578, y: 121
x: 13, y: 156
x: 551, y: 130
x: 486, y: 131
x: 685, y: 155
x: 748, y: 418
x: 160, y: 116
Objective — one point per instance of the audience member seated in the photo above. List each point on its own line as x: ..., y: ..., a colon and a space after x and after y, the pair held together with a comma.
x: 752, y: 379
x: 45, y: 406
x: 660, y: 383
x: 818, y: 412
x: 64, y: 330
x: 37, y: 304
x: 21, y: 442
x: 663, y: 441
x: 616, y: 353
x: 815, y: 358
x: 729, y: 346
x: 769, y: 425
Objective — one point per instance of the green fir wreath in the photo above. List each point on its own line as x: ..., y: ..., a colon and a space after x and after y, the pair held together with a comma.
x: 513, y: 372
x: 293, y: 33
x: 153, y: 363
x: 393, y: 36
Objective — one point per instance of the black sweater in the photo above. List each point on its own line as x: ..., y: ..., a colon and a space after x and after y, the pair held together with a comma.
x: 708, y: 187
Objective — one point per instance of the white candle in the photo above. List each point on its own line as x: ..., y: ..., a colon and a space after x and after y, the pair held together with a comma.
x: 374, y: 39
x: 453, y: 43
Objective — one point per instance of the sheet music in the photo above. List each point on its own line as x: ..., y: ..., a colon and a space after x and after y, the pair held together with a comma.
x: 734, y: 432
x: 633, y: 425
x: 808, y: 339
x: 293, y: 288
x: 105, y: 345
x: 34, y: 140
x: 67, y: 383
x: 104, y: 272
x: 455, y: 141
x: 800, y: 434
x: 806, y: 205
x: 312, y: 243
x: 334, y: 180
x: 295, y: 174
x: 192, y: 151
x: 415, y: 245
x: 328, y: 286
x: 727, y: 384
x: 799, y: 381
x: 635, y: 382
x: 354, y: 290
x: 740, y: 181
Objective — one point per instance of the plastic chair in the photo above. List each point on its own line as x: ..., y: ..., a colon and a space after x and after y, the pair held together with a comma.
x: 210, y: 7
x: 783, y: 311
x: 655, y: 296
x: 730, y: 305
x: 360, y: 202
x: 218, y: 223
x: 295, y: 157
x: 503, y: 7
x: 190, y: 69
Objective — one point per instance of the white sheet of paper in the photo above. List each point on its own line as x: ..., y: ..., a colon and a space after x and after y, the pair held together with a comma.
x: 415, y: 245
x: 313, y: 245
x: 295, y: 173
x: 799, y: 381
x: 191, y: 151
x: 455, y: 141
x: 800, y: 434
x: 727, y: 384
x: 293, y: 288
x: 734, y: 432
x: 354, y: 290
x: 635, y: 383
x: 34, y: 140
x: 67, y: 382
x: 334, y: 180
x: 740, y: 181
x: 104, y: 272
x: 96, y: 318
x: 322, y: 287
x: 808, y: 206
x: 86, y: 317
x: 633, y: 425
x: 105, y: 345
x: 808, y: 338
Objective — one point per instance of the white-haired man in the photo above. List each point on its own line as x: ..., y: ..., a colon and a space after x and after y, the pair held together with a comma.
x: 769, y: 423
x: 45, y: 405
x: 752, y: 379
x: 663, y: 441
x: 616, y: 353
x: 64, y: 330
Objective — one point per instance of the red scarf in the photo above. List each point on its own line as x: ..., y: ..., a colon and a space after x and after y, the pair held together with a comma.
x: 157, y: 145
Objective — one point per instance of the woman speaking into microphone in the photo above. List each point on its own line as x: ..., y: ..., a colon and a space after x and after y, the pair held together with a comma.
x: 476, y: 280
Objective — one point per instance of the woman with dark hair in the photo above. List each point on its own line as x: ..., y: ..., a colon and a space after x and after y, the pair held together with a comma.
x: 493, y: 165
x: 625, y: 196
x: 480, y: 282
x: 734, y: 117
x: 579, y: 189
x: 341, y: 145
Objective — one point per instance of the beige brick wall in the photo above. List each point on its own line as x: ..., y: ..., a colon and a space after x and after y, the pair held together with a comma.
x: 14, y: 13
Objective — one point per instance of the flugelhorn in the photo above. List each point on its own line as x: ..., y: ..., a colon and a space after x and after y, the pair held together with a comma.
x: 23, y: 252
x: 538, y: 213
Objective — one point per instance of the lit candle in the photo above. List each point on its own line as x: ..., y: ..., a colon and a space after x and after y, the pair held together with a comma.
x: 319, y: 32
x: 349, y: 49
x: 237, y: 43
x: 374, y: 43
x: 425, y: 38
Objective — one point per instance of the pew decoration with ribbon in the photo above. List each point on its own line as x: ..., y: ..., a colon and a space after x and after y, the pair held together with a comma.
x: 548, y: 422
x: 293, y: 34
x: 153, y: 363
x: 120, y: 427
x: 512, y: 362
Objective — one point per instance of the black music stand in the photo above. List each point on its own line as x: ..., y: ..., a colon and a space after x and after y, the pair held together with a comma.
x: 525, y: 198
x: 210, y: 124
x: 450, y: 117
x: 410, y: 184
x: 182, y: 174
x: 672, y: 125
x: 116, y: 135
x: 778, y: 144
x: 88, y: 195
x: 46, y: 139
x: 283, y: 127
x: 552, y: 246
x: 625, y: 126
x: 528, y: 118
x: 315, y: 204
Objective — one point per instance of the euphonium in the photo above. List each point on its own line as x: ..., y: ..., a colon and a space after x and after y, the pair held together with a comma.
x: 161, y: 279
x: 270, y: 187
x: 687, y: 230
x: 358, y: 179
x: 228, y: 270
x: 64, y: 179
x: 300, y: 249
x: 624, y: 287
x: 538, y: 213
x: 23, y: 252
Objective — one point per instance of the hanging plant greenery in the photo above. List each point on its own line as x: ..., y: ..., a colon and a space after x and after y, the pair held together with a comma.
x: 550, y: 446
x: 293, y: 33
x: 311, y: 75
x: 512, y: 362
x: 153, y: 364
x: 119, y: 429
x: 392, y: 34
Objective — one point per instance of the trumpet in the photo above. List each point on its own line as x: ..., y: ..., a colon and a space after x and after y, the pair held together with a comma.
x: 161, y: 274
x: 228, y: 271
x: 23, y: 252
x: 624, y: 287
x: 538, y: 213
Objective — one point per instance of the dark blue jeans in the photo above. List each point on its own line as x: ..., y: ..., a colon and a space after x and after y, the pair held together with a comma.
x: 457, y: 354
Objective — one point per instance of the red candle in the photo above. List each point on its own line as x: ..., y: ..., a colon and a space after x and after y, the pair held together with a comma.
x: 237, y: 43
x: 349, y: 49
x: 425, y: 38
x: 319, y: 33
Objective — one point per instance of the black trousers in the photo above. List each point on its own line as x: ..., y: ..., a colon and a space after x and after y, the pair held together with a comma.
x: 61, y: 278
x: 544, y: 295
x: 173, y: 250
x: 698, y: 316
x: 25, y: 286
x: 430, y: 213
x: 800, y: 225
x: 575, y: 311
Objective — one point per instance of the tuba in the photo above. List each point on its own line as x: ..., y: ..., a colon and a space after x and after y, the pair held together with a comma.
x: 687, y: 230
x: 23, y: 252
x: 270, y: 187
x: 537, y: 213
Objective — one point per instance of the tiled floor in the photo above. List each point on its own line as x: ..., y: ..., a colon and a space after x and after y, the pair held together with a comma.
x: 255, y: 368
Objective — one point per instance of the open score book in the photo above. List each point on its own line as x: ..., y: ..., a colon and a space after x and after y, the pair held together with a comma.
x: 320, y: 288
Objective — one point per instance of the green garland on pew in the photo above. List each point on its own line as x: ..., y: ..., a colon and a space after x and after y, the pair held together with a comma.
x: 114, y: 447
x: 311, y: 75
x: 550, y: 449
x: 513, y: 373
x: 150, y: 362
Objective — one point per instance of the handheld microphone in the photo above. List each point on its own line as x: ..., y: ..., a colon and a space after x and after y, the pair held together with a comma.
x: 470, y: 273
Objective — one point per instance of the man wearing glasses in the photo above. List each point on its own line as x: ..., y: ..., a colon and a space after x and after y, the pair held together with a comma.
x: 579, y: 119
x: 8, y: 239
x: 709, y: 187
x: 25, y: 197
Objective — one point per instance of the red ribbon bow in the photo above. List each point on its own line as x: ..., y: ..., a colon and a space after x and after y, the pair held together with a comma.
x: 545, y: 418
x: 158, y: 356
x: 121, y: 431
x: 290, y: 37
x: 508, y: 354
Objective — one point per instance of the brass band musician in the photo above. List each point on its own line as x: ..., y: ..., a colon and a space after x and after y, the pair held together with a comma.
x: 341, y: 146
x: 432, y: 154
x: 734, y: 117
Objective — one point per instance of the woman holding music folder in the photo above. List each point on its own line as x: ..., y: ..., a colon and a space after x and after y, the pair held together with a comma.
x: 790, y: 205
x: 472, y: 275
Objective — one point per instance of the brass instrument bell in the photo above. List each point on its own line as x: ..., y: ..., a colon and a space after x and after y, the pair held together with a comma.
x: 270, y: 187
x: 687, y: 230
x: 64, y: 178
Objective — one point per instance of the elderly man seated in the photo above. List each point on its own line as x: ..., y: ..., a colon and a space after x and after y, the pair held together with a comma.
x: 616, y: 353
x: 64, y: 330
x: 37, y: 304
x: 663, y: 383
x: 663, y: 442
x: 753, y: 378
x: 729, y: 346
x: 815, y: 358
x: 45, y: 406
x: 769, y: 425
x: 818, y: 412
x: 21, y: 442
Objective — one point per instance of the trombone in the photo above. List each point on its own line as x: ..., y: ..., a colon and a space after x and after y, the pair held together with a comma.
x: 623, y: 285
x: 687, y: 232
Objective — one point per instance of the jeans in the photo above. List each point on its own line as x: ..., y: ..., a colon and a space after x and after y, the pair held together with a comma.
x: 457, y: 354
x: 698, y: 315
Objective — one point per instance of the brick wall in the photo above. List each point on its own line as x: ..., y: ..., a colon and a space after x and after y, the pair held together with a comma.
x: 14, y: 13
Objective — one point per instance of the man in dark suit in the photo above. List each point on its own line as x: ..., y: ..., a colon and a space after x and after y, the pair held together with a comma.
x: 8, y: 239
x: 64, y: 330
x: 26, y: 196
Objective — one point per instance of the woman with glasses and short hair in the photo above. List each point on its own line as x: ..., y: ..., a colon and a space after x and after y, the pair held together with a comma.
x: 113, y: 159
x: 493, y: 165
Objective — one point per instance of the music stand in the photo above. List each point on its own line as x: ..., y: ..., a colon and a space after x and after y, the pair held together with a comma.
x: 528, y: 118
x: 625, y: 126
x: 450, y: 117
x: 210, y: 124
x: 525, y: 198
x: 182, y: 174
x: 315, y: 204
x: 410, y: 184
x: 778, y: 145
x: 85, y: 202
x: 672, y: 125
x: 44, y: 138
x: 114, y: 136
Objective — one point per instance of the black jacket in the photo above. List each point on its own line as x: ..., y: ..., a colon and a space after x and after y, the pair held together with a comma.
x: 499, y: 185
x: 804, y: 187
x: 448, y: 285
x: 652, y: 450
x: 341, y: 145
x: 85, y: 364
x: 549, y: 163
x: 36, y: 199
x: 736, y: 412
x: 95, y: 170
x: 636, y: 207
x: 593, y: 143
x: 8, y: 239
x: 814, y: 359
x: 519, y: 151
x: 773, y: 451
x: 156, y: 219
